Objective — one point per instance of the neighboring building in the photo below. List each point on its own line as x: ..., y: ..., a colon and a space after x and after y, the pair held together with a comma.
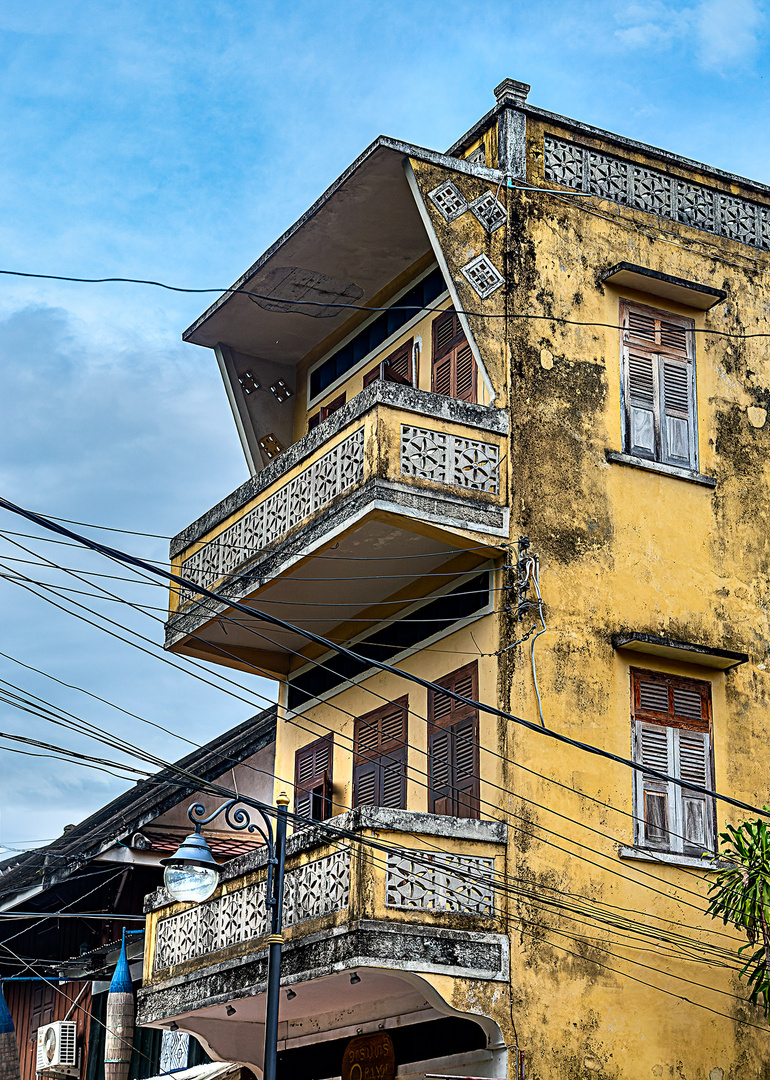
x: 554, y: 360
x: 107, y: 864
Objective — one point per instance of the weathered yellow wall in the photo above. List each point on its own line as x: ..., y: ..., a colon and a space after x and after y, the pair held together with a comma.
x: 622, y: 549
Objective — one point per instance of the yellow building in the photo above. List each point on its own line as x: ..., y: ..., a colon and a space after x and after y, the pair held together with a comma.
x: 544, y: 333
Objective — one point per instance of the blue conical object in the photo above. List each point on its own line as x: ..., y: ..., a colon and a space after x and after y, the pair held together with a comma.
x: 121, y: 980
x: 6, y: 1022
x: 119, y: 1037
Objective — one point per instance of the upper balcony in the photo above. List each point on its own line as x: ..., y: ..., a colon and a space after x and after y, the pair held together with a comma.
x: 422, y: 907
x: 396, y: 494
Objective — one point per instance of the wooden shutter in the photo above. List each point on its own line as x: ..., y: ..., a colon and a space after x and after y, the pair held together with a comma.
x: 453, y: 366
x: 327, y: 410
x: 672, y: 735
x: 379, y: 763
x: 642, y: 395
x: 659, y: 385
x: 678, y: 416
x: 453, y: 746
x: 655, y: 805
x: 395, y: 368
x: 695, y: 766
x: 313, y: 779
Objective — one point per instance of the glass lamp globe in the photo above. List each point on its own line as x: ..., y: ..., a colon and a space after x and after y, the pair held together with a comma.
x: 192, y: 873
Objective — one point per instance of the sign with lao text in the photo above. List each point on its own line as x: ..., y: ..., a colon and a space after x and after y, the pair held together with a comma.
x: 369, y: 1057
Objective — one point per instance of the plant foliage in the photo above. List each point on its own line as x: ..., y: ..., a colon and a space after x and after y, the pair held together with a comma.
x: 739, y: 893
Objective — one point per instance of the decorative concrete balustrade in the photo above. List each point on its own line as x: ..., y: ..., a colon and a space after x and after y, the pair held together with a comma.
x: 409, y: 884
x: 666, y: 195
x: 390, y: 443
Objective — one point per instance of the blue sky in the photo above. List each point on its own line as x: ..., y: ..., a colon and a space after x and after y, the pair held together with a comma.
x: 175, y: 141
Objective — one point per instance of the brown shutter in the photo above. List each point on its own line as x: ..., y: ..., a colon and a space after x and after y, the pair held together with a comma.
x: 327, y: 410
x: 394, y: 368
x: 465, y: 387
x: 671, y: 699
x: 379, y: 747
x: 453, y: 745
x: 400, y: 361
x: 313, y: 779
x: 453, y: 370
x: 440, y: 755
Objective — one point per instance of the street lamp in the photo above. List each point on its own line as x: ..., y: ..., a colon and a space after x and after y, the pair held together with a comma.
x: 192, y: 874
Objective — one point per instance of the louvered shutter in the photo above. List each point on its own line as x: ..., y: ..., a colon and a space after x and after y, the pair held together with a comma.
x: 695, y: 767
x: 313, y: 780
x: 393, y: 780
x: 453, y: 746
x: 642, y: 394
x: 453, y: 365
x: 676, y: 428
x: 465, y: 385
x: 442, y: 376
x: 365, y: 784
x: 440, y: 753
x: 379, y: 744
x: 654, y: 806
x: 465, y: 754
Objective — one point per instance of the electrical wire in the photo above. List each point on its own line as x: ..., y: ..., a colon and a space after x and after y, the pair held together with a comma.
x: 638, y: 870
x: 318, y: 639
x: 423, y: 718
x: 416, y: 308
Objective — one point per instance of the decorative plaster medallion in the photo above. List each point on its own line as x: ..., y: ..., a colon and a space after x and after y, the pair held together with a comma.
x: 483, y: 275
x: 448, y: 200
x: 489, y: 211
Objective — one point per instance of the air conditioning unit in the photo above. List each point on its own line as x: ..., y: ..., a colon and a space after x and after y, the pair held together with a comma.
x: 57, y: 1048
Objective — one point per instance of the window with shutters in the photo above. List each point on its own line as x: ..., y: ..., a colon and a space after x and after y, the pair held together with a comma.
x: 326, y: 410
x: 379, y: 764
x: 453, y: 746
x: 659, y: 386
x: 394, y: 368
x: 313, y: 780
x: 453, y: 369
x: 672, y: 734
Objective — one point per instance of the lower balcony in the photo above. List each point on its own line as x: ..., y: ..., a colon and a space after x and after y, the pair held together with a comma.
x: 398, y: 491
x: 375, y: 940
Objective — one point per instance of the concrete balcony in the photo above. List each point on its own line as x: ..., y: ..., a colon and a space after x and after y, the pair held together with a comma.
x: 408, y: 921
x: 396, y: 471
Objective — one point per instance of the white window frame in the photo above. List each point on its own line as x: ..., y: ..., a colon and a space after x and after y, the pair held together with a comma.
x: 676, y: 796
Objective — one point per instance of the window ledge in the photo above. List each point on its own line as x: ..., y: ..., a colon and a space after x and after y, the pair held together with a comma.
x: 614, y: 458
x: 671, y: 858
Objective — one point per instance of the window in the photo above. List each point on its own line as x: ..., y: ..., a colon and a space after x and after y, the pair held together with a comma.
x: 453, y: 749
x: 376, y: 331
x: 326, y: 410
x: 454, y: 369
x: 379, y: 765
x: 395, y: 368
x: 659, y: 386
x: 313, y: 780
x: 672, y: 733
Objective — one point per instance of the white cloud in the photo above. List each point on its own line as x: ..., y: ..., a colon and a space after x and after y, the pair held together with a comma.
x: 724, y: 32
x: 727, y: 32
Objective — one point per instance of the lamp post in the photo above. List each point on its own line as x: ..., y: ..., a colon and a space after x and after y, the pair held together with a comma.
x: 192, y: 874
